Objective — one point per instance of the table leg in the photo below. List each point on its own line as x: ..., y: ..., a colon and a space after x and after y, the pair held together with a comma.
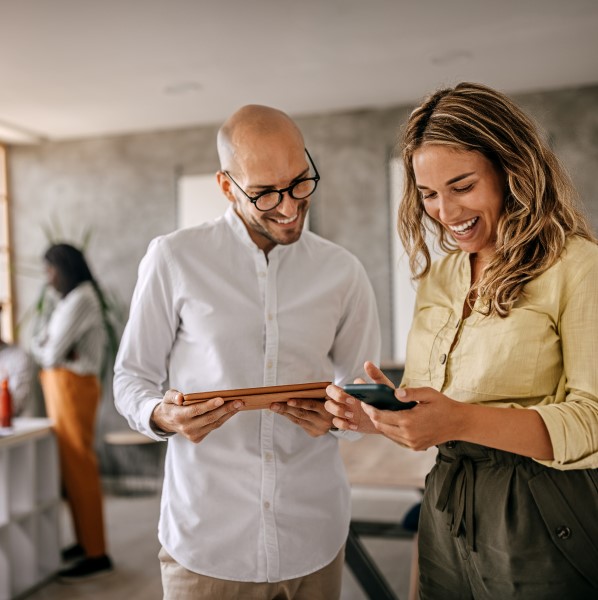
x: 367, y: 573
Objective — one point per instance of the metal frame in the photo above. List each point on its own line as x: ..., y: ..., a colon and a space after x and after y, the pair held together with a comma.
x: 360, y: 562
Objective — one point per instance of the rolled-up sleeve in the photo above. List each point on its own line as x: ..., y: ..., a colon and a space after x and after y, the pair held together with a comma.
x: 572, y: 419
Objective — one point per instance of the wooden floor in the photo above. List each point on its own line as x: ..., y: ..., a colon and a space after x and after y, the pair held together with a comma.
x: 385, y: 480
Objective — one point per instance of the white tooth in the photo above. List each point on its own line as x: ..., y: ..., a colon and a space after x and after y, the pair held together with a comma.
x: 286, y: 221
x: 464, y: 226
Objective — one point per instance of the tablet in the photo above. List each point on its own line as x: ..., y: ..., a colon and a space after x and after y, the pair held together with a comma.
x: 262, y: 397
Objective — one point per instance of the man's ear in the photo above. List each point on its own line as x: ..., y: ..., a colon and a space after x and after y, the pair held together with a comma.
x: 225, y: 185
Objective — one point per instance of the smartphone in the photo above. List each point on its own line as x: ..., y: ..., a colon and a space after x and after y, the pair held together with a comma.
x: 378, y: 395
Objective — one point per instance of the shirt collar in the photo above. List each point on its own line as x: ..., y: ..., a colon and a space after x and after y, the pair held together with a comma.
x: 240, y: 230
x: 238, y: 226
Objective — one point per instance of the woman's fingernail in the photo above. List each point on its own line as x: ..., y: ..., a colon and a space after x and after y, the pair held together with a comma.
x: 238, y: 404
x: 219, y: 402
x: 349, y: 414
x: 350, y: 400
x: 353, y: 426
x: 401, y: 393
x: 292, y: 402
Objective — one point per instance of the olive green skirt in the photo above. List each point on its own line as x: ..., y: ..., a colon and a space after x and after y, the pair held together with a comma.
x: 496, y: 525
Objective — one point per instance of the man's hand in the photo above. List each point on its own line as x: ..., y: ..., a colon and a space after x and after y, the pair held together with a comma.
x: 347, y: 410
x: 194, y: 421
x: 310, y: 415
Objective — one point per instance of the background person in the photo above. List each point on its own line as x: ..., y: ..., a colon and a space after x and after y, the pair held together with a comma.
x: 255, y: 503
x: 501, y: 356
x: 16, y: 366
x: 69, y: 347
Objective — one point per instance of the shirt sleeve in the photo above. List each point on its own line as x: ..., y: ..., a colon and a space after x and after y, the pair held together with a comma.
x: 141, y: 369
x: 572, y: 417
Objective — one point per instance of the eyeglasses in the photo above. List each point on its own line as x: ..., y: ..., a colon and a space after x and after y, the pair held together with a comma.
x: 299, y: 190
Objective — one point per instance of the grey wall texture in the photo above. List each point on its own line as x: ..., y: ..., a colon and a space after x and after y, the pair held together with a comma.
x: 122, y: 189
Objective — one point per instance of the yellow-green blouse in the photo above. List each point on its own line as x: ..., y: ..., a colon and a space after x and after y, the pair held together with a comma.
x: 543, y: 356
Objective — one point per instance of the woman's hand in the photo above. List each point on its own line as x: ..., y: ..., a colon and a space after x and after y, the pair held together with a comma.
x: 347, y: 410
x: 436, y: 419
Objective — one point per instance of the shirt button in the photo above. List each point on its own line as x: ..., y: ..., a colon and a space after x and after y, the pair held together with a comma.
x: 270, y: 316
x: 442, y: 359
x: 269, y: 364
x: 450, y: 445
x: 266, y: 505
x: 562, y: 532
x: 268, y: 456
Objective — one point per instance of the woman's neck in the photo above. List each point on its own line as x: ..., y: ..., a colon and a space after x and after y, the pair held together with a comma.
x: 478, y: 263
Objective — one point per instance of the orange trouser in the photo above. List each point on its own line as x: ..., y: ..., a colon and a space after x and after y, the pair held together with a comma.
x: 71, y: 402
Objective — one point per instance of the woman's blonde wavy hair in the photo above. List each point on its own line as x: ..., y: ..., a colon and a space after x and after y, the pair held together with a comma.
x: 540, y: 207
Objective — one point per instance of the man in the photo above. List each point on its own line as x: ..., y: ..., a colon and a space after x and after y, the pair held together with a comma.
x: 255, y: 503
x: 16, y: 366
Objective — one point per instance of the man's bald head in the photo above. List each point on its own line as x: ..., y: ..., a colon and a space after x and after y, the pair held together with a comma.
x: 246, y: 126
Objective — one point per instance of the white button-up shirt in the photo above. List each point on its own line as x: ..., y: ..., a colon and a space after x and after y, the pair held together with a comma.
x: 74, y: 337
x: 258, y: 499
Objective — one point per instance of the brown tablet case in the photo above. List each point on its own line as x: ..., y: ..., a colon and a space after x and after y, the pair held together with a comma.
x: 262, y: 397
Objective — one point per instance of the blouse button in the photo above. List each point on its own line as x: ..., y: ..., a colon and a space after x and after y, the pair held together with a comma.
x: 442, y: 359
x: 564, y: 533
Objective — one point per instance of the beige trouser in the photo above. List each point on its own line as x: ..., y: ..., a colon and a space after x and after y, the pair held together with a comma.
x: 71, y: 402
x: 180, y: 584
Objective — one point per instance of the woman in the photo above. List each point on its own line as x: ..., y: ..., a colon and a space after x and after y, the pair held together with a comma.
x: 501, y: 356
x: 69, y: 347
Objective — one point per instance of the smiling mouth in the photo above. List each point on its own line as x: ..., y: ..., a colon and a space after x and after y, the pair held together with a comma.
x: 287, y: 221
x: 464, y: 228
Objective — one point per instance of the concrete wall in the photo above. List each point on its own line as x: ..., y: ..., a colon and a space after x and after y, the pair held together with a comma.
x: 123, y: 190
x: 570, y: 121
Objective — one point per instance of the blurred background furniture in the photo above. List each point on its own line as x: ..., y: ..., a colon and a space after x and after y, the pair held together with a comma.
x: 388, y: 480
x: 29, y: 507
x: 135, y: 463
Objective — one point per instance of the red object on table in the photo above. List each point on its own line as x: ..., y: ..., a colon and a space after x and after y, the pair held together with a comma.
x: 5, y: 405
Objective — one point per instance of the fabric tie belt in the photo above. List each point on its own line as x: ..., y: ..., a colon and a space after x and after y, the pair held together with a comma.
x: 456, y: 496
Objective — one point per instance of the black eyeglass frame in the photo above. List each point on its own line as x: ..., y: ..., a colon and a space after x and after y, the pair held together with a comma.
x: 255, y: 199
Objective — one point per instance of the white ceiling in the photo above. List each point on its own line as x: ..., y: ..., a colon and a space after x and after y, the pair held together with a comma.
x: 79, y: 68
